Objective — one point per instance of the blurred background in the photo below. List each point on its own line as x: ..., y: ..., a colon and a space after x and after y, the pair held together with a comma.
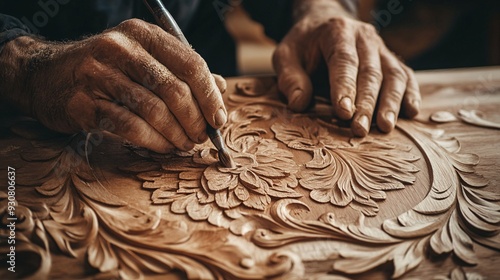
x: 426, y: 34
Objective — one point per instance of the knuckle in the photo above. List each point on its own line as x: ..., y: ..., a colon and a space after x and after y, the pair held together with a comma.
x: 135, y: 30
x: 367, y: 106
x: 344, y: 55
x: 154, y: 76
x: 346, y: 81
x: 180, y: 96
x: 371, y: 72
x: 88, y: 69
x: 110, y: 38
x: 109, y: 43
x: 367, y: 103
x: 393, y: 98
x: 209, y: 100
x: 194, y: 64
x: 157, y: 112
x: 132, y: 24
x: 335, y: 24
x: 368, y: 30
x: 397, y: 73
x: 176, y: 136
x: 409, y: 72
x: 182, y: 91
x: 196, y: 127
x: 129, y: 122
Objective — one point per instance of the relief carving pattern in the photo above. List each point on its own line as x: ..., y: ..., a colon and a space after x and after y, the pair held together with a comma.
x: 284, y: 163
x: 77, y: 212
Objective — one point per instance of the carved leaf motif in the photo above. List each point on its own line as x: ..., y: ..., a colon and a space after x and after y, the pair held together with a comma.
x: 402, y: 241
x: 356, y: 173
x: 200, y: 186
x: 122, y: 241
x: 102, y: 256
x: 31, y: 238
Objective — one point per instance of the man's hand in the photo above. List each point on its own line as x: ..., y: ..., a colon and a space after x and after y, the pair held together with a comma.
x: 363, y: 73
x: 134, y: 80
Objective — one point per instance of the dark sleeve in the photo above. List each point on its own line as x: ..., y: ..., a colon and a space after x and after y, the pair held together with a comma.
x: 10, y: 28
x: 275, y: 16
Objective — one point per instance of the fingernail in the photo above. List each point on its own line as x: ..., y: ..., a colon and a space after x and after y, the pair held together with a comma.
x: 346, y: 104
x: 220, y: 118
x: 391, y: 118
x: 363, y: 122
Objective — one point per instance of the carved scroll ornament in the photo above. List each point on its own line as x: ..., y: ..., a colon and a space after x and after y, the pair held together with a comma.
x: 285, y: 164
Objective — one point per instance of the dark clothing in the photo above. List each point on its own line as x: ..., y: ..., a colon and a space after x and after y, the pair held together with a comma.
x: 201, y: 21
x: 10, y: 28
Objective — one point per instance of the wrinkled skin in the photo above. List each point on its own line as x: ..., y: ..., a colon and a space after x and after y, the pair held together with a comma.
x: 362, y: 71
x: 141, y: 83
x: 134, y: 80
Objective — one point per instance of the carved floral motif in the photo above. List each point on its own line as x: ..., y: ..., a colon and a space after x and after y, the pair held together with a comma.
x: 355, y: 172
x: 119, y: 241
x: 342, y: 173
x: 204, y: 189
x: 454, y: 213
x: 280, y: 158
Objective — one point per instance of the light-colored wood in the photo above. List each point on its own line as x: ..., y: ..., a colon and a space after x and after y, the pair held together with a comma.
x: 306, y: 200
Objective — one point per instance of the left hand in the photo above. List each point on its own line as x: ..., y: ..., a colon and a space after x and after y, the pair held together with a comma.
x: 363, y: 73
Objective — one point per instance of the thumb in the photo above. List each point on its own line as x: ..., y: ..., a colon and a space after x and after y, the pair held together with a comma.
x: 293, y: 80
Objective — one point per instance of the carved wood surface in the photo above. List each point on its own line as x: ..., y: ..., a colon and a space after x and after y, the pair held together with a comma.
x: 306, y: 199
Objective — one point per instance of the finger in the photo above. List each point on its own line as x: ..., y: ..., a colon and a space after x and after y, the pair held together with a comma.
x: 368, y: 85
x: 141, y: 67
x: 184, y: 63
x: 412, y: 98
x: 221, y: 83
x: 341, y: 57
x: 393, y: 89
x: 146, y: 105
x: 105, y: 115
x: 293, y: 81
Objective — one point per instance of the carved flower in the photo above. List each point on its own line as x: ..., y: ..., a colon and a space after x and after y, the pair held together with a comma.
x: 262, y: 171
x: 204, y: 189
x: 356, y: 172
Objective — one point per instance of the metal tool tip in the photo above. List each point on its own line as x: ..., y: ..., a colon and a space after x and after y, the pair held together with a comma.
x: 226, y: 159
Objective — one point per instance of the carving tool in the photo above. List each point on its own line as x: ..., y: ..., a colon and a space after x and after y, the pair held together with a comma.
x: 165, y: 20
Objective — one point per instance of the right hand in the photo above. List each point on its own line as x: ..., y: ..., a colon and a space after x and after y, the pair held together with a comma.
x: 367, y: 81
x: 134, y: 80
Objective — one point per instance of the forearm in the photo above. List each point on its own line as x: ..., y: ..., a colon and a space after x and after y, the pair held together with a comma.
x: 18, y: 62
x: 324, y: 8
x: 10, y: 64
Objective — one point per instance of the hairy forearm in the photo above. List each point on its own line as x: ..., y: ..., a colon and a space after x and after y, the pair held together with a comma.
x: 323, y: 8
x: 13, y: 62
x: 21, y: 61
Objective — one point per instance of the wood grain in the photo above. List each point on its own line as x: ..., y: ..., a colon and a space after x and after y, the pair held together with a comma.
x: 306, y: 200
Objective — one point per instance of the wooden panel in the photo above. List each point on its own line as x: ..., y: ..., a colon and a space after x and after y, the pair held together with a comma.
x: 305, y: 200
